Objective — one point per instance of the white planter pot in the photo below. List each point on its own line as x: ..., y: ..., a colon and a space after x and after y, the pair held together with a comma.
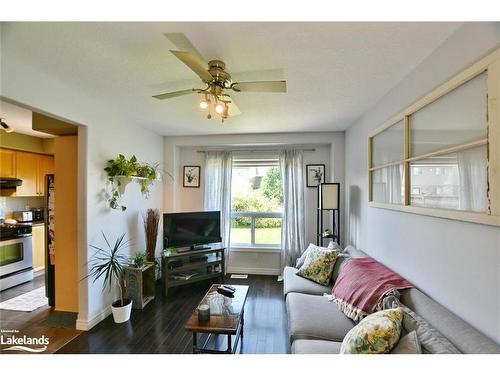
x: 124, y: 181
x: 121, y: 314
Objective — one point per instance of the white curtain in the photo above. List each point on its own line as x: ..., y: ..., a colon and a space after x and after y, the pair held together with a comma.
x: 293, y: 227
x: 472, y: 176
x: 218, y: 167
x: 388, y: 184
x: 395, y: 179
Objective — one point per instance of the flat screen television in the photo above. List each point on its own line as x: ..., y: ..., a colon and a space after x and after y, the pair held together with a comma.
x: 191, y: 229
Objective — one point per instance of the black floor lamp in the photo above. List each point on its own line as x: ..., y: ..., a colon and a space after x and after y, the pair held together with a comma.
x: 328, y: 200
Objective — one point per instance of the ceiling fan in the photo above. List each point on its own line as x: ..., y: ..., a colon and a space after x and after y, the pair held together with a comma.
x: 217, y: 80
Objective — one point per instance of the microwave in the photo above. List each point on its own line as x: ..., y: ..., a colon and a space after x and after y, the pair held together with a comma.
x: 22, y: 216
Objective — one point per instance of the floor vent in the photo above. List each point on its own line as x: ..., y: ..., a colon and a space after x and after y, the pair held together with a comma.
x: 236, y: 276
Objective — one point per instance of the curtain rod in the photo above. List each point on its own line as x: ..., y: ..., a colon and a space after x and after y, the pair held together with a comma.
x: 260, y: 150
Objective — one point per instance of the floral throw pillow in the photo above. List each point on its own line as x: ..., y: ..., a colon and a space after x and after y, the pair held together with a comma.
x: 318, y: 264
x: 331, y: 246
x: 378, y: 333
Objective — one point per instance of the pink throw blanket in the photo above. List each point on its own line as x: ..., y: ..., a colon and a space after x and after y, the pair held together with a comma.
x: 362, y: 284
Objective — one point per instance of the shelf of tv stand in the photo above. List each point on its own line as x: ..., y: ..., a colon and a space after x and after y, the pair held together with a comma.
x: 215, y: 256
x: 204, y: 276
x: 191, y: 253
x: 212, y: 259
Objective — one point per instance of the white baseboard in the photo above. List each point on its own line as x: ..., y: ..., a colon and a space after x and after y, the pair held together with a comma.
x: 85, y: 325
x: 254, y: 271
x: 39, y: 271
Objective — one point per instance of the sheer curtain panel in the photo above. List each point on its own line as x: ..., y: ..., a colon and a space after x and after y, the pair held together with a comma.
x: 293, y: 227
x: 473, y: 178
x: 218, y: 167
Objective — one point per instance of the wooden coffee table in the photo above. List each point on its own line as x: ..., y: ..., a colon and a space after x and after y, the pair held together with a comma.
x: 226, y: 318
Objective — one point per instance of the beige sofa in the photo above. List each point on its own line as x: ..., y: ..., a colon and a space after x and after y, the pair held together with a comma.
x: 317, y: 326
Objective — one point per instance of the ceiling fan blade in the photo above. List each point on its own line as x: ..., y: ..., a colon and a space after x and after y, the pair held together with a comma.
x: 195, y: 64
x: 258, y: 75
x: 259, y: 86
x: 184, y: 44
x: 233, y: 109
x: 173, y: 94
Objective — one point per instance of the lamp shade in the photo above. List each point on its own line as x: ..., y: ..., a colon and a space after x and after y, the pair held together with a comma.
x: 328, y: 196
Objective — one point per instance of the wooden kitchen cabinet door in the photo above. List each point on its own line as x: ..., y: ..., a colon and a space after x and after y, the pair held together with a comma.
x: 45, y: 166
x: 7, y: 163
x: 38, y: 235
x: 27, y: 170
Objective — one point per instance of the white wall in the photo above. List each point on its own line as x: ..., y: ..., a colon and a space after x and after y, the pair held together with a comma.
x: 456, y: 263
x: 180, y: 151
x: 106, y: 133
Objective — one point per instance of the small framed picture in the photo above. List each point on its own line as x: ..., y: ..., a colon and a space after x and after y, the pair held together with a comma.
x: 315, y: 174
x: 191, y: 176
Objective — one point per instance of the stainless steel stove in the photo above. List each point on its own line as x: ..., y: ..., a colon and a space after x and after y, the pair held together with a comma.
x: 16, y: 255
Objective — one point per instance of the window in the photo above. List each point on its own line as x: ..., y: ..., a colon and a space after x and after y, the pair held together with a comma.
x: 257, y: 203
x: 388, y: 184
x: 463, y: 185
x: 439, y: 157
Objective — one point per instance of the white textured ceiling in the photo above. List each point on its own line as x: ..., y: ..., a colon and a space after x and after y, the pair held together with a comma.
x: 19, y: 119
x: 335, y: 71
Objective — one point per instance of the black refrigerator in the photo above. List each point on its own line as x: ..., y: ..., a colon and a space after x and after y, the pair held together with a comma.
x: 50, y: 240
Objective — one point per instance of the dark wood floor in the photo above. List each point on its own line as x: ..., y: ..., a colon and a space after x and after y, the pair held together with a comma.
x: 21, y: 320
x: 31, y: 323
x: 159, y: 328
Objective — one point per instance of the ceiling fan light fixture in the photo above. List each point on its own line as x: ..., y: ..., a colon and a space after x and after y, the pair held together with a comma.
x: 205, y: 103
x: 217, y: 79
x: 219, y: 108
x: 225, y: 111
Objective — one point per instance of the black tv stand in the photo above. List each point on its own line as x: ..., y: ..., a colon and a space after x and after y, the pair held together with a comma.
x: 200, y: 247
x: 188, y: 267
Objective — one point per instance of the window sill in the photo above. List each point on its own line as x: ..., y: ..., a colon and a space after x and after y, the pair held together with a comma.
x: 472, y: 217
x: 253, y: 249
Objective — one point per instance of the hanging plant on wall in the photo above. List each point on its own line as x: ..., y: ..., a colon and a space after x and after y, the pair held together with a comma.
x: 121, y: 171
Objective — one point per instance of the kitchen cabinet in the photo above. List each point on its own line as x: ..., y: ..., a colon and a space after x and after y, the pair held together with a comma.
x: 45, y: 166
x: 27, y: 170
x: 7, y: 163
x: 29, y: 167
x: 38, y: 235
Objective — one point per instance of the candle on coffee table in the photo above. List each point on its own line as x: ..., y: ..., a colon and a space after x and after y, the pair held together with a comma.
x: 203, y: 312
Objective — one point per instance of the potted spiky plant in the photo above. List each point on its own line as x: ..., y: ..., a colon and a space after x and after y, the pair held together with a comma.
x: 108, y: 263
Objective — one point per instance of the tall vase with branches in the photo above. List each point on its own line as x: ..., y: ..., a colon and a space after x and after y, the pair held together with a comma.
x: 151, y: 221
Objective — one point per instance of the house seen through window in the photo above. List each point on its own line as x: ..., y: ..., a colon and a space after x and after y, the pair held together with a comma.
x: 257, y: 203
